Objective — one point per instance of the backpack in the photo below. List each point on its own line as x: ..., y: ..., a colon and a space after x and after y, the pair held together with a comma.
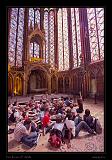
x: 97, y: 126
x: 55, y: 141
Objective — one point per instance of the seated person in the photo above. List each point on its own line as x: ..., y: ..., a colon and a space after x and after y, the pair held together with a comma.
x: 88, y: 118
x: 31, y: 102
x: 74, y: 130
x: 59, y: 127
x: 12, y: 118
x: 80, y: 105
x: 60, y: 109
x: 9, y: 110
x: 67, y: 102
x: 18, y: 114
x: 21, y: 134
x: 46, y: 122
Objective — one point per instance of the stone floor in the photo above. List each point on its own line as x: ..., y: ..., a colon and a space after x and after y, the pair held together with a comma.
x: 84, y: 143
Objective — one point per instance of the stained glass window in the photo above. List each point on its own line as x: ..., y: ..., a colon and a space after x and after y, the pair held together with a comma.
x: 15, y: 46
x: 60, y: 40
x: 31, y: 17
x: 20, y: 38
x: 36, y: 50
x: 51, y: 37
x: 46, y: 35
x: 78, y: 34
x: 65, y: 38
x: 63, y: 49
x: 12, y: 36
x: 100, y: 28
x: 34, y: 18
x: 74, y: 37
x: 96, y: 32
x: 37, y: 17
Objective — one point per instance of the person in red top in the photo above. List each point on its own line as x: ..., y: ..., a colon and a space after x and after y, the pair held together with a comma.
x: 46, y: 122
x: 46, y: 118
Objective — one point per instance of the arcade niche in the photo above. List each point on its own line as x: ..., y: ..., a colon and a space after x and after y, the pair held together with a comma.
x: 38, y: 82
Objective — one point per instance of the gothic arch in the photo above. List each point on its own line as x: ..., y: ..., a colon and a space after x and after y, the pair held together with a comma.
x: 18, y: 84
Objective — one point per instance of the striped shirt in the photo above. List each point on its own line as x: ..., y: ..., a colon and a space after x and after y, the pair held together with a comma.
x: 19, y: 131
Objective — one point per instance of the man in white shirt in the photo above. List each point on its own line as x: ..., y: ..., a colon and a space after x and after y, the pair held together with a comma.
x: 75, y: 130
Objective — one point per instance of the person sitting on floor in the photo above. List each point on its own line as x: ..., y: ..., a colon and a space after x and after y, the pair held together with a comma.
x: 21, y: 134
x: 80, y: 105
x: 46, y: 121
x: 67, y: 102
x: 88, y: 118
x: 59, y: 127
x: 31, y: 102
x: 74, y: 130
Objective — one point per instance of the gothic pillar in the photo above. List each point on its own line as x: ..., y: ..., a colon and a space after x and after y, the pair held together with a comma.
x: 70, y: 38
x: 63, y: 85
x: 56, y: 84
x: 25, y: 36
x: 41, y: 18
x: 49, y: 84
x: 41, y: 28
x: 84, y: 35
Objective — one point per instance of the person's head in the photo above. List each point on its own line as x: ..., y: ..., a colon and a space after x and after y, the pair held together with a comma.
x: 68, y: 111
x: 71, y: 106
x: 32, y: 98
x: 59, y: 118
x: 87, y: 112
x: 27, y: 121
x: 15, y: 103
x: 47, y: 111
x: 69, y: 116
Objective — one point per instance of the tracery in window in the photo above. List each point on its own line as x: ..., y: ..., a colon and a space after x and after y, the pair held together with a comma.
x: 76, y: 40
x: 15, y: 46
x: 63, y: 49
x: 51, y: 37
x: 100, y: 28
x: 78, y: 34
x: 96, y: 32
x: 46, y: 35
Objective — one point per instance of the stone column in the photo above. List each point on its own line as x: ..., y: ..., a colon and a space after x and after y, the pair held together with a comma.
x: 56, y: 84
x: 49, y: 84
x: 70, y: 38
x: 25, y: 36
x: 63, y: 85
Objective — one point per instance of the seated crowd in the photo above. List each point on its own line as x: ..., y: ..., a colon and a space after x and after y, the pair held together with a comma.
x: 60, y: 117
